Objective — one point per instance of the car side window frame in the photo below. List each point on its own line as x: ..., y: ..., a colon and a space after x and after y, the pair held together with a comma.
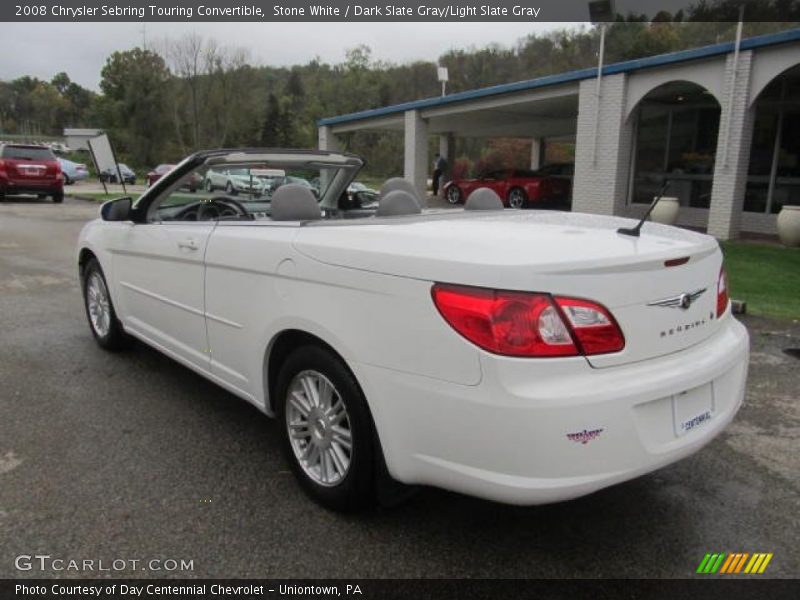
x: 151, y: 212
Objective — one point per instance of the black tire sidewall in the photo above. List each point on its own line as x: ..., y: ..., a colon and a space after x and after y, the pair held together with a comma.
x: 522, y: 193
x: 457, y: 193
x: 356, y: 490
x: 116, y: 338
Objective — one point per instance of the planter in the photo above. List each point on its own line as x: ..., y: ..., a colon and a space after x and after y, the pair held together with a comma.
x: 666, y: 211
x: 789, y: 226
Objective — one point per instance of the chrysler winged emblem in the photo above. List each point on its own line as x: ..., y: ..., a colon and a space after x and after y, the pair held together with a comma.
x: 683, y: 301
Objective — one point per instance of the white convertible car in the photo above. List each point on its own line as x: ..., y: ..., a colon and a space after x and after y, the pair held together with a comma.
x: 524, y: 357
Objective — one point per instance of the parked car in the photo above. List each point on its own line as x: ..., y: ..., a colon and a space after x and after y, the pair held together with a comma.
x: 519, y: 357
x: 234, y: 181
x: 60, y: 148
x: 73, y: 171
x: 359, y: 188
x: 359, y: 196
x: 110, y: 175
x: 157, y: 173
x: 518, y: 188
x: 28, y: 169
x: 192, y: 184
x: 275, y: 182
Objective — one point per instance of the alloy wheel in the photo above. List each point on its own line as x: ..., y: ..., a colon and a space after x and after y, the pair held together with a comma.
x: 453, y: 195
x: 516, y: 199
x: 319, y: 428
x: 99, y: 305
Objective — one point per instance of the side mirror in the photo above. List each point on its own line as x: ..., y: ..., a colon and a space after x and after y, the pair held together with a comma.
x: 118, y: 209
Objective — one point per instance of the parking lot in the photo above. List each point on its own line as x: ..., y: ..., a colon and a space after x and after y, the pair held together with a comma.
x: 131, y: 456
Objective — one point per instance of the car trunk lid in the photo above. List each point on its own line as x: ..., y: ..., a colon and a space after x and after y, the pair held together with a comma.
x: 565, y: 254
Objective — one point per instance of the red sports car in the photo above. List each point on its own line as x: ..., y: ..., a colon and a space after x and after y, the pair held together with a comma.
x: 549, y: 187
x: 163, y: 169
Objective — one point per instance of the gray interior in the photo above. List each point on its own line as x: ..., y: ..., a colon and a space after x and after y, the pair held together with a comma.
x: 293, y: 202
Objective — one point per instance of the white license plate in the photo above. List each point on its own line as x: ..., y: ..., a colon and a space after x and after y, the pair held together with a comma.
x: 32, y: 172
x: 692, y: 409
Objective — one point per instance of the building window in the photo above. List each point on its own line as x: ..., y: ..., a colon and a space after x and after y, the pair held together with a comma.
x: 676, y: 141
x: 773, y: 177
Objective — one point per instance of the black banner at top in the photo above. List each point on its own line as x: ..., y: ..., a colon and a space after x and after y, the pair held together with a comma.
x: 393, y: 10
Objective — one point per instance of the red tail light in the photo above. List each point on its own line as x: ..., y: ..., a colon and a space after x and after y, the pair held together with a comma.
x: 527, y: 324
x: 722, y: 292
x: 593, y: 325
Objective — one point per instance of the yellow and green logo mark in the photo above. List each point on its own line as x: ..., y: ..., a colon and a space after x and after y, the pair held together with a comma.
x: 734, y: 563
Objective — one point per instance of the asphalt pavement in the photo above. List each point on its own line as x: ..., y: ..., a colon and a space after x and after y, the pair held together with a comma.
x: 130, y: 456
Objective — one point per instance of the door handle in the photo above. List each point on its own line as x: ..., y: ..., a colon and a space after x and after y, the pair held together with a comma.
x: 187, y: 244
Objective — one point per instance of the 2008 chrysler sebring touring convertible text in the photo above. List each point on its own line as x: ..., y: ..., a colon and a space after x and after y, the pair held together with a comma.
x: 520, y: 356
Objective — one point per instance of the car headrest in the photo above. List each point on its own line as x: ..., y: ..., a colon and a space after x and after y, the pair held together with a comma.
x: 398, y: 183
x: 294, y: 202
x: 483, y: 199
x: 398, y: 202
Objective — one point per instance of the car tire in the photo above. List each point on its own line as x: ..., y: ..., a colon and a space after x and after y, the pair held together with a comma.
x: 517, y: 198
x: 453, y: 195
x: 230, y: 190
x: 67, y: 180
x: 58, y: 197
x: 315, y: 434
x: 103, y: 322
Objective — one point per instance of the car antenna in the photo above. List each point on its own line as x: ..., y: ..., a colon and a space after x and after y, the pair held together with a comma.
x: 635, y: 230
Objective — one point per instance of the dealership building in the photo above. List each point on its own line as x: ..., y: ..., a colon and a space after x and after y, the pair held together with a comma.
x: 720, y: 123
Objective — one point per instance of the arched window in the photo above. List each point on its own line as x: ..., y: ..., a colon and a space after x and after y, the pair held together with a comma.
x: 676, y: 140
x: 773, y: 177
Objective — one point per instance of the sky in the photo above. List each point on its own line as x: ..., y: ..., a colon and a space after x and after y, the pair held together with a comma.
x: 44, y: 49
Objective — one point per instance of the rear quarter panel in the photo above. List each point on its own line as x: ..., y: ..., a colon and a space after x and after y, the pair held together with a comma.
x: 256, y: 280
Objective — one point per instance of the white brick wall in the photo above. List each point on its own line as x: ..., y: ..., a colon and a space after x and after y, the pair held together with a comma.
x: 600, y: 186
x: 730, y: 176
x: 327, y: 139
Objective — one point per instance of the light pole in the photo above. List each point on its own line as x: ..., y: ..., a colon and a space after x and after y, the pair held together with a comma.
x: 443, y: 78
x: 600, y: 11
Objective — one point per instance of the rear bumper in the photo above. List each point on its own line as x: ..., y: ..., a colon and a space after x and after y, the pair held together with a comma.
x: 533, y: 432
x: 27, y: 186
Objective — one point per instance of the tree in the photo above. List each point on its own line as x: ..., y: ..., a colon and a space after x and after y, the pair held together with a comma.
x: 207, y: 105
x: 61, y: 82
x: 134, y: 85
x: 295, y: 87
x: 272, y: 134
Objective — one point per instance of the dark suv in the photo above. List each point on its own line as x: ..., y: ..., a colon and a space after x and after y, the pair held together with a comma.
x: 28, y: 169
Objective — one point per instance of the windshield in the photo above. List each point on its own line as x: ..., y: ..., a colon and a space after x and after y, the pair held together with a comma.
x: 249, y: 185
